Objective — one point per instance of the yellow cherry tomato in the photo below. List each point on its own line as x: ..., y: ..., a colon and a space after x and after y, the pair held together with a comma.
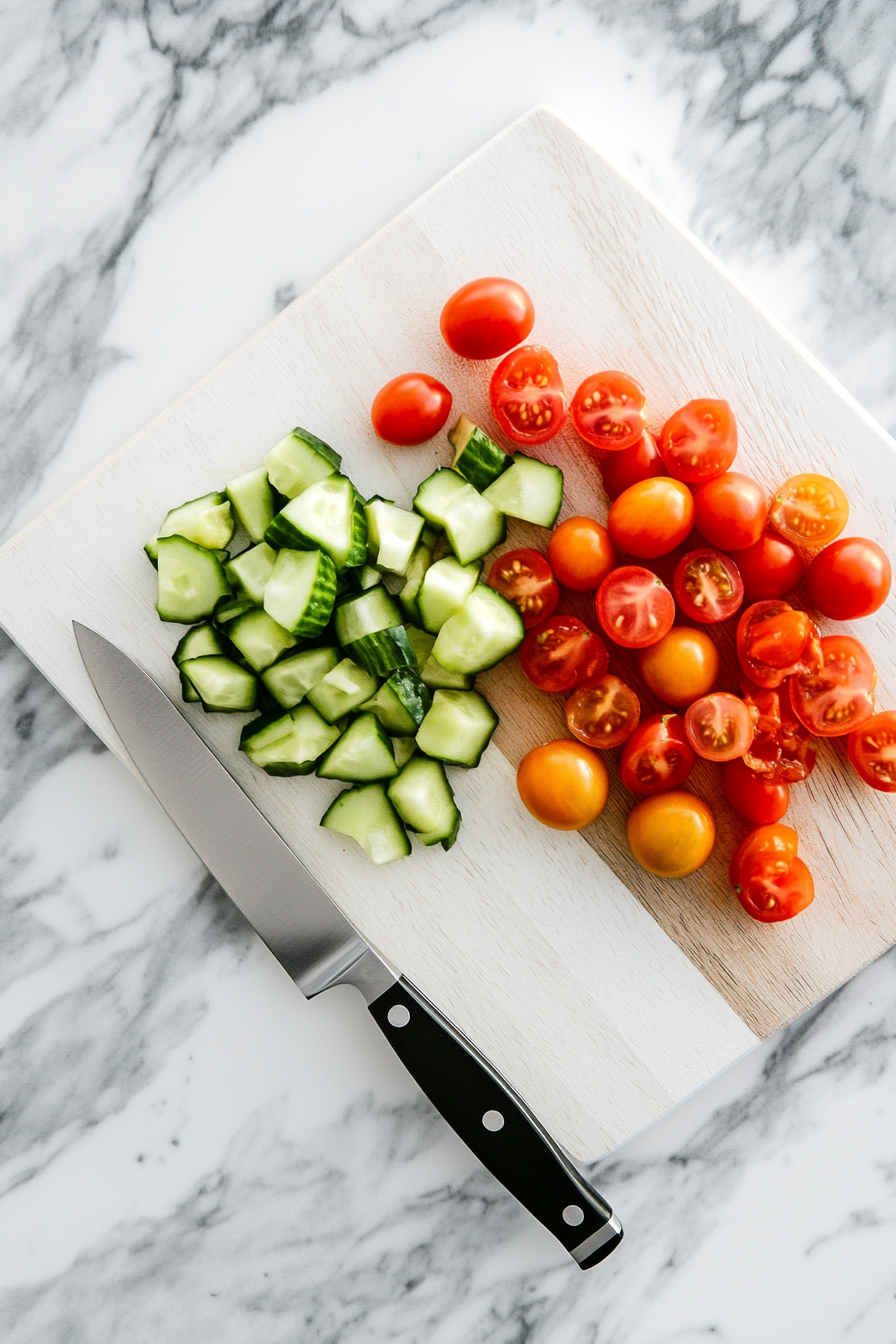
x: 564, y: 784
x: 681, y: 667
x: 671, y: 834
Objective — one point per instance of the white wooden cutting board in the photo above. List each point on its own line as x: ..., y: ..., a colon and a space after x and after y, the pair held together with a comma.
x: 605, y: 995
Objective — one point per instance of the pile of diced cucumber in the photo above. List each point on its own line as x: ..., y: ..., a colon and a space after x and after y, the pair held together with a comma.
x: 355, y: 628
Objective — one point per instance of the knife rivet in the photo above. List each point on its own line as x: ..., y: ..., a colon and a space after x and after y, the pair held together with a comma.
x: 398, y: 1015
x: 573, y: 1215
x: 493, y: 1121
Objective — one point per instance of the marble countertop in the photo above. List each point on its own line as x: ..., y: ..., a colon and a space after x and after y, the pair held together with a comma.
x: 188, y: 1149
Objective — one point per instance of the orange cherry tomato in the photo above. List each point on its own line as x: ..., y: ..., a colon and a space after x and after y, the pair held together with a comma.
x: 563, y: 784
x: 719, y: 726
x: 410, y: 409
x: 809, y: 510
x: 608, y: 411
x: 872, y: 751
x: 487, y: 317
x: 768, y: 878
x: 699, y: 441
x: 671, y: 834
x: 602, y: 713
x: 581, y: 554
x: 707, y: 586
x: 634, y: 607
x: 527, y: 395
x: 769, y: 568
x: 681, y: 667
x: 839, y: 697
x: 756, y: 797
x: 651, y: 517
x: 561, y: 652
x: 730, y: 511
x: 849, y: 579
x: 524, y: 577
x: 657, y: 756
x: 774, y: 641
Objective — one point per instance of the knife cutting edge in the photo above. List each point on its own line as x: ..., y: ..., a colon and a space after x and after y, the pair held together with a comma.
x: 319, y: 948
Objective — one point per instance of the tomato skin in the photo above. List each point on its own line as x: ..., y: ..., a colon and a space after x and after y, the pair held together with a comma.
x: 560, y: 652
x: 730, y: 511
x: 410, y: 409
x: 809, y: 510
x: 768, y: 878
x: 651, y: 517
x: 681, y: 667
x: 627, y: 466
x: 525, y: 578
x: 581, y: 554
x: 671, y: 834
x: 756, y: 797
x: 608, y: 411
x: 563, y: 784
x: 770, y: 568
x: 872, y: 751
x: 719, y: 726
x: 839, y: 697
x: 602, y: 712
x: 850, y: 578
x: 634, y: 607
x: 485, y: 318
x: 657, y: 756
x: 527, y: 395
x: 774, y: 642
x: 708, y: 586
x: 699, y: 441
x: 782, y: 748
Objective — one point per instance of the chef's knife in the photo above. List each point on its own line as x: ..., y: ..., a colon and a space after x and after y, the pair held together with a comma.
x: 319, y: 948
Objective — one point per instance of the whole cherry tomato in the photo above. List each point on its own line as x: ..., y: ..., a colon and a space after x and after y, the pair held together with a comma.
x: 872, y: 750
x: 603, y: 712
x: 768, y: 878
x: 657, y: 756
x: 699, y: 441
x: 652, y: 517
x: 756, y: 797
x: 782, y: 748
x: 730, y: 511
x: 527, y: 395
x: 560, y: 652
x: 581, y: 554
x: 708, y: 586
x: 839, y: 697
x: 626, y: 467
x: 671, y: 834
x: 719, y: 726
x: 774, y: 641
x: 680, y: 667
x: 563, y: 784
x: 850, y: 578
x: 608, y: 411
x: 809, y: 510
x: 410, y: 409
x: 487, y: 317
x: 524, y: 577
x: 634, y: 607
x: 769, y: 568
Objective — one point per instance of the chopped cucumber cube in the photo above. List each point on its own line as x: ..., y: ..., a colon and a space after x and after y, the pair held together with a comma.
x: 250, y: 571
x: 423, y: 798
x: 253, y: 499
x: 400, y: 703
x: 529, y: 489
x: 228, y: 611
x: 200, y: 642
x: 301, y: 591
x: 421, y: 642
x: 403, y: 749
x: 223, y: 686
x: 365, y: 614
x: 341, y: 690
x: 445, y: 588
x: 392, y: 535
x: 299, y: 460
x: 259, y: 638
x: 420, y: 563
x: 476, y: 456
x: 290, y: 680
x: 329, y: 515
x: 384, y: 650
x: 432, y: 674
x: 289, y: 744
x: 458, y: 727
x: 484, y: 631
x: 362, y: 753
x: 472, y: 524
x: 366, y: 816
x: 206, y: 522
x: 191, y: 581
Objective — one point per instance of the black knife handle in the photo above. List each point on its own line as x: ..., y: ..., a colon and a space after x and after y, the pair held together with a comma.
x: 496, y: 1124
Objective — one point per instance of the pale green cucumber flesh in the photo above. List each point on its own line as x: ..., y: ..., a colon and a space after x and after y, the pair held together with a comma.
x: 250, y: 570
x: 223, y: 686
x: 253, y: 501
x: 362, y: 754
x: 401, y: 702
x: 301, y: 591
x: 290, y: 680
x: 457, y: 728
x: 485, y: 630
x: 365, y: 614
x: 330, y: 516
x: 529, y: 489
x: 191, y: 581
x: 288, y: 744
x: 206, y: 522
x: 259, y: 638
x: 366, y: 816
x: 424, y: 799
x: 445, y: 588
x: 392, y: 535
x: 300, y: 460
x: 342, y: 689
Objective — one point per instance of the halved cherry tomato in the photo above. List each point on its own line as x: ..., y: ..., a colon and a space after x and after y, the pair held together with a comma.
x: 487, y: 317
x: 634, y: 607
x: 769, y: 568
x: 782, y: 747
x: 810, y: 510
x: 699, y: 441
x: 603, y: 712
x: 757, y: 797
x: 626, y: 467
x: 527, y: 395
x: 872, y: 750
x: 708, y: 586
x: 849, y: 579
x: 410, y: 409
x: 652, y: 517
x: 581, y: 554
x: 839, y: 697
x: 768, y: 879
x: 681, y: 666
x: 730, y: 511
x: 719, y: 726
x: 774, y: 641
x: 671, y: 834
x: 560, y: 652
x: 563, y: 784
x: 524, y: 577
x: 657, y: 756
x: 608, y: 411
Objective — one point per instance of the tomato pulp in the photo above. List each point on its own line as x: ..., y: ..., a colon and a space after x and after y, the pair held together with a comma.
x: 603, y: 712
x: 719, y: 726
x: 782, y: 747
x: 809, y: 510
x: 487, y: 317
x: 524, y: 577
x: 657, y: 756
x: 708, y: 586
x: 608, y: 411
x: 768, y: 878
x: 839, y: 696
x: 527, y: 395
x: 562, y: 651
x: 699, y: 441
x: 872, y: 751
x: 634, y: 607
x: 410, y: 409
x: 774, y: 641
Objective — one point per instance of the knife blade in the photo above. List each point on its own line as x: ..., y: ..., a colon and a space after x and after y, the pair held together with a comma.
x: 319, y: 948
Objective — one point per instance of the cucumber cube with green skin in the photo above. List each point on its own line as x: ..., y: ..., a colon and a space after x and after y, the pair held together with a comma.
x: 472, y: 524
x: 485, y: 630
x: 223, y: 686
x: 259, y: 638
x: 228, y: 611
x: 201, y: 642
x: 299, y: 460
x: 250, y: 571
x: 529, y: 489
x: 445, y: 588
x: 290, y: 680
x: 365, y: 614
x: 363, y: 753
x: 476, y: 456
x: 421, y: 642
x: 253, y: 499
x: 436, y: 494
x: 384, y: 650
x: 457, y: 728
x: 206, y: 522
x: 423, y: 798
x: 328, y: 516
x: 342, y: 689
x: 401, y: 702
x: 192, y: 582
x: 290, y: 744
x: 392, y: 535
x: 420, y: 563
x: 301, y: 592
x: 431, y: 672
x: 366, y: 816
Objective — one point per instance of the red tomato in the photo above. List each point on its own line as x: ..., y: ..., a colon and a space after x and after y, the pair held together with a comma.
x: 699, y: 441
x: 839, y: 697
x: 782, y: 747
x: 769, y: 568
x: 768, y: 879
x: 608, y: 411
x: 634, y: 607
x: 774, y: 641
x: 560, y: 652
x: 527, y: 395
x: 581, y: 554
x: 603, y: 713
x: 849, y: 579
x: 657, y: 756
x: 756, y: 797
x: 719, y: 726
x: 809, y: 510
x: 487, y: 317
x: 626, y: 467
x: 872, y: 750
x: 652, y: 517
x: 525, y: 579
x: 708, y: 586
x: 410, y: 409
x: 730, y: 511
